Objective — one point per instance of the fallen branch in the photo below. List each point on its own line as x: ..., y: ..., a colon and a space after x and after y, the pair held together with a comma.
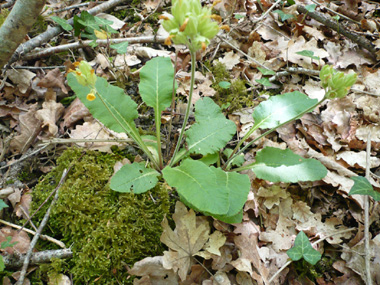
x: 334, y: 25
x: 53, y: 32
x: 39, y: 231
x: 17, y: 260
x: 367, y: 248
x: 81, y: 44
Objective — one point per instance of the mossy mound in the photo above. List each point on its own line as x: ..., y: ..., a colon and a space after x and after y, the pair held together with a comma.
x: 108, y: 231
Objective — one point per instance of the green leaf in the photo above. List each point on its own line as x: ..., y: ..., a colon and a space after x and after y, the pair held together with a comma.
x: 283, y: 15
x: 238, y: 160
x: 303, y: 248
x: 3, y: 204
x: 265, y: 71
x: 8, y: 243
x: 224, y: 84
x: 156, y: 83
x: 135, y: 178
x: 281, y: 108
x: 112, y: 106
x: 311, y: 7
x: 197, y: 184
x: 121, y: 48
x: 238, y: 16
x: 308, y: 53
x: 277, y: 165
x: 264, y: 81
x: 210, y: 158
x: 62, y: 22
x: 363, y: 187
x: 238, y: 186
x: 2, y: 265
x: 212, y: 130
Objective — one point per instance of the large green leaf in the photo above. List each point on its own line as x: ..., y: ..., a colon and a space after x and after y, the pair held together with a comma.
x: 197, y: 184
x: 277, y: 165
x: 281, y: 108
x: 135, y: 178
x: 363, y: 187
x: 238, y: 186
x: 212, y: 130
x: 112, y: 106
x: 303, y: 248
x: 156, y: 83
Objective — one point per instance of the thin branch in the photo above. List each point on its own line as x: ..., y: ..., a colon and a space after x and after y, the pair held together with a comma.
x: 55, y: 31
x: 17, y: 260
x: 367, y: 249
x: 334, y: 25
x: 8, y: 4
x: 38, y: 233
x: 335, y: 12
x: 81, y: 44
x: 44, y: 237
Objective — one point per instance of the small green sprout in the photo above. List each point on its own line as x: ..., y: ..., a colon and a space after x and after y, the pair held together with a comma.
x: 190, y: 24
x: 336, y: 84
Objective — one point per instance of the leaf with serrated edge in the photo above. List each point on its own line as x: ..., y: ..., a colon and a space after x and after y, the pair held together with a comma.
x: 303, y: 248
x: 135, y: 178
x: 212, y: 130
x: 277, y: 165
x: 156, y: 83
x: 281, y: 108
x: 188, y: 238
x: 196, y: 182
x: 363, y: 187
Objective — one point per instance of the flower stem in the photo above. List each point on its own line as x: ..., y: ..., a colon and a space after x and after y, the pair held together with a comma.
x: 187, y: 114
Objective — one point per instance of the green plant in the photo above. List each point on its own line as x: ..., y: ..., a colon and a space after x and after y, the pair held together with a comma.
x: 4, y: 245
x: 212, y: 186
x: 303, y: 249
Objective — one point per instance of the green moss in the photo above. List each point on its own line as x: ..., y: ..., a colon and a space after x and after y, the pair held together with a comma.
x: 39, y: 27
x: 108, y: 231
x: 3, y: 15
x: 235, y: 97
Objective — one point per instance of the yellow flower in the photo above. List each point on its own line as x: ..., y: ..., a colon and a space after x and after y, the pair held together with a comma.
x: 91, y: 96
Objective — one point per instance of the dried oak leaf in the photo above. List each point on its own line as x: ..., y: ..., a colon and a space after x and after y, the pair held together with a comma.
x: 53, y: 78
x: 49, y: 114
x: 188, y: 238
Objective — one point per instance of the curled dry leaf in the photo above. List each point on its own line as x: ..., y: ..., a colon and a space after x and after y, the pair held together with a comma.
x: 49, y: 114
x: 53, y: 78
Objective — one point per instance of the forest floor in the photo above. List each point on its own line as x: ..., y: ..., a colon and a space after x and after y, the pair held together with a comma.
x: 270, y: 48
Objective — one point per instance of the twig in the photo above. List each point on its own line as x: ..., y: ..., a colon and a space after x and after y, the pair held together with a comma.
x: 69, y: 8
x: 38, y: 233
x: 367, y: 249
x: 44, y: 237
x: 335, y: 12
x: 53, y: 32
x: 364, y: 92
x: 37, y: 67
x: 294, y: 70
x: 314, y: 243
x: 8, y: 4
x: 81, y: 44
x: 262, y: 17
x: 327, y: 21
x: 24, y: 157
x: 17, y: 260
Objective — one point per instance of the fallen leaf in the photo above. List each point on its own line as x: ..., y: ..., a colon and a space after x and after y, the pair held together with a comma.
x: 188, y: 238
x: 53, y: 78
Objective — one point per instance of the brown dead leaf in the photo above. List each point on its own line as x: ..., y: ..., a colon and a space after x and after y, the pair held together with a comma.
x: 30, y: 127
x: 188, y: 238
x: 153, y: 272
x: 75, y: 112
x: 355, y: 261
x: 22, y: 239
x: 53, y: 78
x: 21, y: 77
x: 49, y: 114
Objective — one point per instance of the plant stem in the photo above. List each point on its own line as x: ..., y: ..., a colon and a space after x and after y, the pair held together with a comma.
x: 158, y: 135
x: 187, y: 114
x: 255, y: 127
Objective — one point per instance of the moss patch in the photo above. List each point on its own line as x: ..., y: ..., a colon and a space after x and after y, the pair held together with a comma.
x: 108, y: 231
x: 233, y: 98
